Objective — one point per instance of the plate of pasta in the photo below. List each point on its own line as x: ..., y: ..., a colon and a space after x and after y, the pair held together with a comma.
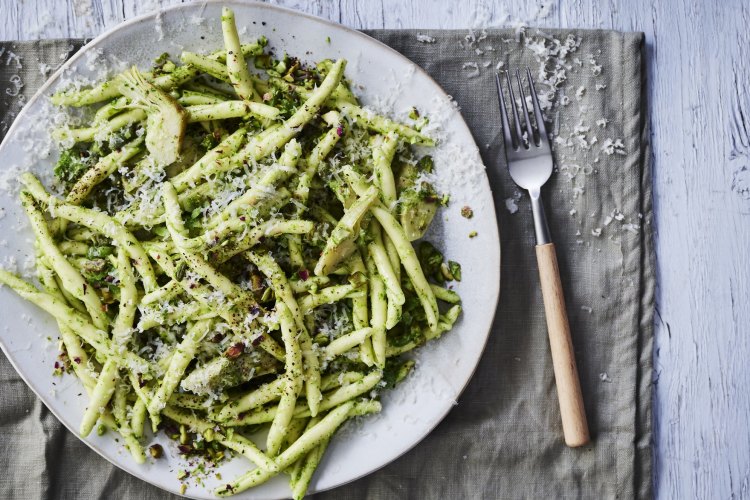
x: 255, y: 253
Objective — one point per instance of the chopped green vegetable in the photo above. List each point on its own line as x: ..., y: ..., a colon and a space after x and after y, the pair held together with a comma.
x: 426, y: 164
x: 396, y: 370
x: 73, y: 163
x: 429, y: 257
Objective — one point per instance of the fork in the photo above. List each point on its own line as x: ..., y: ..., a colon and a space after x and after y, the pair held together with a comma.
x: 530, y: 165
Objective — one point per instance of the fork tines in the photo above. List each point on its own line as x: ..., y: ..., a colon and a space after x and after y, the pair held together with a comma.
x: 515, y: 137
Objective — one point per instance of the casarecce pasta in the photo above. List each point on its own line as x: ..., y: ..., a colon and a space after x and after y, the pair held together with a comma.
x: 230, y: 250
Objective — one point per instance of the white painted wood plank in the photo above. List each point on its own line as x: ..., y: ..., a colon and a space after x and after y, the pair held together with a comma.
x: 700, y: 106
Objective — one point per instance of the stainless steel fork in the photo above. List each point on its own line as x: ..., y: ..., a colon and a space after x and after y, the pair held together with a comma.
x: 530, y: 165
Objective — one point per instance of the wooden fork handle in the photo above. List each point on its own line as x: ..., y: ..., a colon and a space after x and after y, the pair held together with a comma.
x: 575, y: 427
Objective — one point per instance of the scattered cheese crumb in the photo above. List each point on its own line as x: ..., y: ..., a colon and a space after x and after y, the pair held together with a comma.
x: 511, y: 205
x: 422, y: 38
x: 611, y: 147
x: 474, y: 67
x: 597, y: 231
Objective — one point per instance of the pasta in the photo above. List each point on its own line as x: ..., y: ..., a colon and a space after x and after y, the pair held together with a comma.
x: 233, y: 253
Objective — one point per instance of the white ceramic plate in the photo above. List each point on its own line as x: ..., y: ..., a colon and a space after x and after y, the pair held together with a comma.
x: 383, y: 77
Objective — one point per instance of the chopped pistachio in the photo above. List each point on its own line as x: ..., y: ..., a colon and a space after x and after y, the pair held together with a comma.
x: 445, y: 271
x: 267, y: 295
x: 156, y: 451
x: 455, y: 269
x: 183, y: 435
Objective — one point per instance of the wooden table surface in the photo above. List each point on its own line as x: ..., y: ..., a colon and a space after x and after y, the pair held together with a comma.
x: 698, y: 80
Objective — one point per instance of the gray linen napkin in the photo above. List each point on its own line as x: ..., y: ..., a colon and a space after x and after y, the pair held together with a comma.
x: 503, y: 439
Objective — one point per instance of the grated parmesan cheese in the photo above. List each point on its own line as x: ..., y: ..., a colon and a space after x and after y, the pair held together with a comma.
x: 610, y: 147
x: 511, y: 205
x: 473, y: 67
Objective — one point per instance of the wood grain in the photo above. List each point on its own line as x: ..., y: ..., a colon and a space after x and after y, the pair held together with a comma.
x: 699, y: 76
x: 572, y: 411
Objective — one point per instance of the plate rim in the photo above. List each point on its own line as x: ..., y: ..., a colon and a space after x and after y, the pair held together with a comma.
x: 154, y: 15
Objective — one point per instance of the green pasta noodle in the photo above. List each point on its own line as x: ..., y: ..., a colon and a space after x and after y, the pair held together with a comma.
x: 235, y: 61
x: 70, y: 277
x: 183, y: 355
x: 293, y: 381
x: 105, y: 387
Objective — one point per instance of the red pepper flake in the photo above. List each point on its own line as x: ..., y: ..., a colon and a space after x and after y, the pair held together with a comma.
x: 184, y: 450
x: 235, y: 350
x: 303, y: 274
x: 257, y: 340
x: 57, y: 365
x: 77, y: 360
x: 242, y: 218
x: 340, y: 131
